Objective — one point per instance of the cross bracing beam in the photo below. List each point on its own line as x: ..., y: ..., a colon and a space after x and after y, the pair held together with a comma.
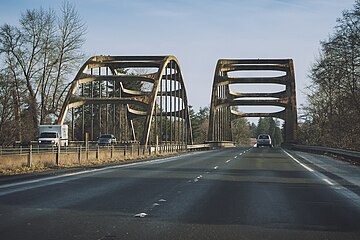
x: 279, y: 114
x: 231, y: 67
x: 79, y: 101
x: 223, y: 100
x: 116, y: 78
x: 130, y: 64
x: 234, y: 95
x: 221, y: 103
x: 222, y: 81
x: 133, y: 97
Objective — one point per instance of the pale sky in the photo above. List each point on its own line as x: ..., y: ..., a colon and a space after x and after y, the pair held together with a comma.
x: 199, y: 33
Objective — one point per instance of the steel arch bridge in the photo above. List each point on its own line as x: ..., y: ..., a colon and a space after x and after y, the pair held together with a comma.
x: 223, y: 100
x: 136, y: 98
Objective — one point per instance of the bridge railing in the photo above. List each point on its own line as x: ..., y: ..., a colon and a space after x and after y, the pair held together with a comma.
x: 199, y: 147
x: 342, y: 153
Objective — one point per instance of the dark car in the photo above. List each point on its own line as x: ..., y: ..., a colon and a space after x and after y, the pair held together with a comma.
x: 106, y: 139
x: 263, y: 140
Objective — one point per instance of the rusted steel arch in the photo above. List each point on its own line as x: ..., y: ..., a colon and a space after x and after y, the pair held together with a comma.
x: 165, y: 106
x: 223, y: 100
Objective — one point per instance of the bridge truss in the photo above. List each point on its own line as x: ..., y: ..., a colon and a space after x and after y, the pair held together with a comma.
x: 136, y: 98
x: 224, y: 101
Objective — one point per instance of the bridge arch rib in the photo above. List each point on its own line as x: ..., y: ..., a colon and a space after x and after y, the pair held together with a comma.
x: 110, y: 93
x: 223, y: 100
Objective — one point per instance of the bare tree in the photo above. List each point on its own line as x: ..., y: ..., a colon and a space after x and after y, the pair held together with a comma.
x: 334, y: 100
x: 41, y: 53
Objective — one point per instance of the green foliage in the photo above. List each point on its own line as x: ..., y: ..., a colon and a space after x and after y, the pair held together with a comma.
x: 241, y: 131
x: 200, y: 123
x: 253, y: 130
x: 269, y: 126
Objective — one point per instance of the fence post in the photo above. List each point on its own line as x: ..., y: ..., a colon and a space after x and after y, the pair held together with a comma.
x: 111, y: 151
x: 157, y: 144
x: 125, y: 151
x: 30, y: 156
x: 79, y: 154
x: 58, y: 155
x: 97, y: 152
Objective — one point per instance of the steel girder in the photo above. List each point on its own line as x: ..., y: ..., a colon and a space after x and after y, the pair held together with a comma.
x: 222, y: 99
x: 163, y: 107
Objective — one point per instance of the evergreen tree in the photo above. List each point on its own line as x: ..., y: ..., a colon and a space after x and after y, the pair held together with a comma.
x: 241, y: 132
x: 199, y: 123
x: 269, y: 126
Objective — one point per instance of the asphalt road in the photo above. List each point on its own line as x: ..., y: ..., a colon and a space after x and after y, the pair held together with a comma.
x: 238, y: 193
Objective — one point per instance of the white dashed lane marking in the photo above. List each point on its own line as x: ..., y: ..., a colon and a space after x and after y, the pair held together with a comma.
x: 141, y: 215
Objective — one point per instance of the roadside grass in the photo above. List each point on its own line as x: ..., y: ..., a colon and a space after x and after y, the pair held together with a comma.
x: 47, y: 167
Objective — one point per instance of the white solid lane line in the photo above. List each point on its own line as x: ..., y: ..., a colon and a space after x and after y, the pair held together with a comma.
x: 325, y: 179
x: 328, y: 181
x: 353, y: 197
x: 303, y: 165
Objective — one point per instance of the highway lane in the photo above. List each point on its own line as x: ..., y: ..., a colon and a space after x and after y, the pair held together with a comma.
x: 237, y: 193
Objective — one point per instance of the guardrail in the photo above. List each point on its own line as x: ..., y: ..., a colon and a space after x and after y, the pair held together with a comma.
x: 346, y: 154
x: 199, y: 147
